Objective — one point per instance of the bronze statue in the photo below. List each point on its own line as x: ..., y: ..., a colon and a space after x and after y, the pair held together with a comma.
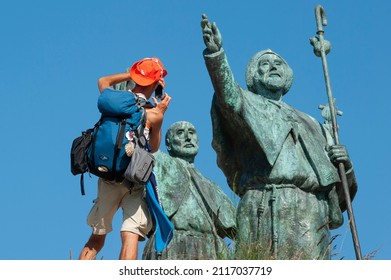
x: 202, y: 214
x: 280, y: 161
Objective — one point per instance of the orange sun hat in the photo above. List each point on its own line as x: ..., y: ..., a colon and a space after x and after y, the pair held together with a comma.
x: 148, y: 71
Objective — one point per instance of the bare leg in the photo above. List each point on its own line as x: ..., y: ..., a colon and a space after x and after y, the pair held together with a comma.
x: 129, y: 248
x: 92, y: 247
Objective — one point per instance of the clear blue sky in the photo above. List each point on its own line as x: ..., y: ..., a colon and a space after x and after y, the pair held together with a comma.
x: 53, y: 53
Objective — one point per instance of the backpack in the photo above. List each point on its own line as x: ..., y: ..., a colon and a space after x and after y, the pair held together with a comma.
x: 101, y: 150
x: 79, y: 161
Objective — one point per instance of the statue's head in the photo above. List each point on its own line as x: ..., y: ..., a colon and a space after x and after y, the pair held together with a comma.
x: 268, y: 72
x: 182, y: 141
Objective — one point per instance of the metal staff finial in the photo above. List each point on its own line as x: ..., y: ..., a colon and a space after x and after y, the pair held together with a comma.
x: 321, y: 48
x: 321, y: 19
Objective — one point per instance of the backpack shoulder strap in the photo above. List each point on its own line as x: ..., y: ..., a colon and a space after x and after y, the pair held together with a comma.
x: 82, y: 184
x: 82, y: 189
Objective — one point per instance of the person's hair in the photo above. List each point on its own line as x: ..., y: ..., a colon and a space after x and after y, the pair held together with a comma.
x: 253, y: 66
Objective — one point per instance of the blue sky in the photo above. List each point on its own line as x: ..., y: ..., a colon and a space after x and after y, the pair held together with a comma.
x: 53, y: 53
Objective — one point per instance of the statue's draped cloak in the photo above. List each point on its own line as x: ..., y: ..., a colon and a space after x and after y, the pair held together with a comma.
x: 270, y: 124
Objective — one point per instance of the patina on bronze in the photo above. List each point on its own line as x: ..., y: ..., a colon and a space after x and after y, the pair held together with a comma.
x: 202, y: 214
x: 280, y: 161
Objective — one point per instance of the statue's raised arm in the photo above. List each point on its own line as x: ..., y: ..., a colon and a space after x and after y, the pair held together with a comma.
x: 227, y: 92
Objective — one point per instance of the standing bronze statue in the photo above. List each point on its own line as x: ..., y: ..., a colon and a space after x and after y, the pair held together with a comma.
x: 280, y: 161
x: 202, y: 214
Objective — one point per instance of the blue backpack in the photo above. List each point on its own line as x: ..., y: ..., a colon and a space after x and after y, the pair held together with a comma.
x: 121, y: 112
x: 101, y: 150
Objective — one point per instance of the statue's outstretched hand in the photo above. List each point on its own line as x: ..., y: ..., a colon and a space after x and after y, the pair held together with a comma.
x: 338, y: 154
x: 211, y: 35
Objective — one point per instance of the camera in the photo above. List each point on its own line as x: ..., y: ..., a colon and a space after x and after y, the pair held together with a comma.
x: 159, y: 92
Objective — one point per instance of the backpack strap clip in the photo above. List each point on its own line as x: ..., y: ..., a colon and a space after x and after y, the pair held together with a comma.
x: 140, y: 102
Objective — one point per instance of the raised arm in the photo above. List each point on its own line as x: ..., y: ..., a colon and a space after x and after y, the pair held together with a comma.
x: 226, y: 89
x: 108, y: 81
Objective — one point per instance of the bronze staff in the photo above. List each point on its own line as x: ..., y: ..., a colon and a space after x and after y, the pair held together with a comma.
x: 322, y: 21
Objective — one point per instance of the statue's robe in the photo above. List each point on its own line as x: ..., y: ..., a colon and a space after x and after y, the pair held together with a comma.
x: 202, y: 214
x: 275, y: 158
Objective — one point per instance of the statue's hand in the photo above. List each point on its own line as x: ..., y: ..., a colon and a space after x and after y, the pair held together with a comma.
x: 211, y: 35
x: 339, y: 154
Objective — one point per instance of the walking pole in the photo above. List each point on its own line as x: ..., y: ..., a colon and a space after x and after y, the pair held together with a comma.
x: 322, y: 21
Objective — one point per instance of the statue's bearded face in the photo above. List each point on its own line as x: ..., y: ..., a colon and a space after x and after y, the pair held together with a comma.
x: 183, y: 141
x: 271, y: 72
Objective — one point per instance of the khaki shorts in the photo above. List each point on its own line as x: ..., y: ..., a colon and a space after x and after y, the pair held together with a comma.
x: 111, y: 196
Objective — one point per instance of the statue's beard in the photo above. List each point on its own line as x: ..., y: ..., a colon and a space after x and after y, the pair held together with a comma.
x: 273, y: 84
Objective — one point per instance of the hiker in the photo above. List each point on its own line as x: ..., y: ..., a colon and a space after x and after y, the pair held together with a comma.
x: 202, y: 214
x: 281, y: 162
x: 143, y: 78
